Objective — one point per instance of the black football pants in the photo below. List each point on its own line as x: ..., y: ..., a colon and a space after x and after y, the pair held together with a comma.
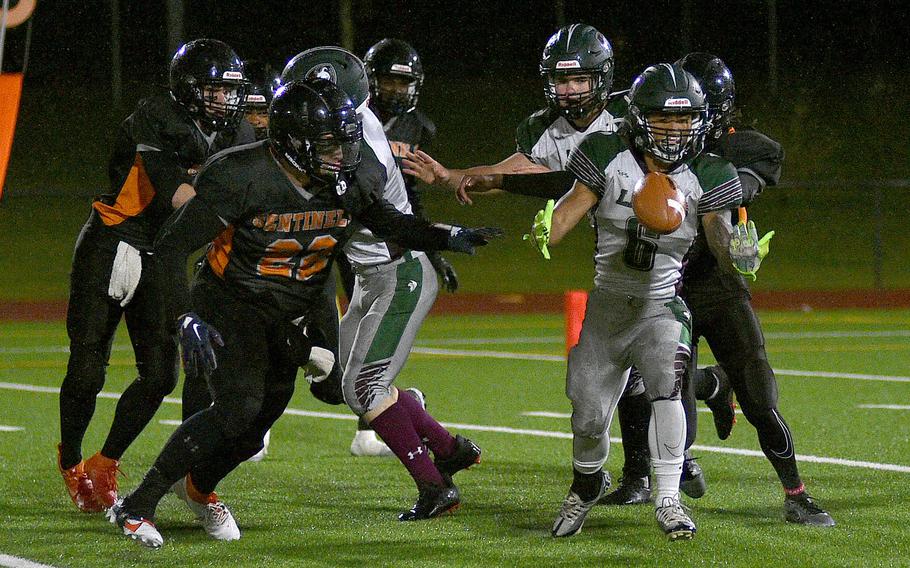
x: 92, y: 318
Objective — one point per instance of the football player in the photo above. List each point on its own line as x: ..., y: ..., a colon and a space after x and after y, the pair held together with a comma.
x: 277, y: 211
x: 721, y: 308
x: 263, y: 82
x: 577, y: 70
x: 634, y: 316
x: 394, y: 290
x: 156, y: 152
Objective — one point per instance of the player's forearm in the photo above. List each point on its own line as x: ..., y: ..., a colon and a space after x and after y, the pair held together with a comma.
x: 718, y: 231
x: 570, y: 210
x: 164, y: 173
x: 186, y: 230
x: 409, y: 231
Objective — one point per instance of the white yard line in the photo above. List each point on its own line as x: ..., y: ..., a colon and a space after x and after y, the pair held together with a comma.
x: 524, y: 432
x: 16, y: 562
x: 11, y: 428
x: 885, y: 406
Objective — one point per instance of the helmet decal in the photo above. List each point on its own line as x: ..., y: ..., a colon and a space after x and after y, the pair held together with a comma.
x: 324, y: 71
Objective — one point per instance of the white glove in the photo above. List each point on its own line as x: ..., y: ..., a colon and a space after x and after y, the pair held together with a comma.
x: 320, y: 365
x: 125, y: 274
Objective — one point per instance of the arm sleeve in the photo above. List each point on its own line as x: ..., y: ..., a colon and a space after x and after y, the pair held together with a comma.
x: 409, y: 231
x: 720, y: 183
x: 164, y: 171
x: 551, y: 185
x: 186, y: 230
x: 752, y: 183
x: 151, y: 130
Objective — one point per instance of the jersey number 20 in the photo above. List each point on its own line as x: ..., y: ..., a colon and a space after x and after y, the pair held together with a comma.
x: 287, y: 258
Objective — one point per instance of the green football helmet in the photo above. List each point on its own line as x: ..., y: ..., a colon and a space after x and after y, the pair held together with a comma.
x: 333, y: 64
x: 577, y: 49
x: 661, y: 90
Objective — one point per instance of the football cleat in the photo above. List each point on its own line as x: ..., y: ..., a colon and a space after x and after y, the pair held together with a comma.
x: 102, y: 472
x: 802, y: 509
x: 78, y: 485
x: 635, y: 491
x: 575, y: 510
x: 674, y: 520
x: 216, y: 518
x: 692, y: 481
x: 257, y: 457
x: 367, y: 444
x: 721, y: 403
x: 137, y: 528
x: 432, y: 501
x: 466, y: 454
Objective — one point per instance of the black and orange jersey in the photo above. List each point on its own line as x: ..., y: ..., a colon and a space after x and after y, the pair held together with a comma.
x: 154, y: 149
x: 409, y: 132
x: 272, y: 241
x: 279, y: 239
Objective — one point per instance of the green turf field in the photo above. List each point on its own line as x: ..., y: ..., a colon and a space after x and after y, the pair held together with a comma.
x: 311, y: 503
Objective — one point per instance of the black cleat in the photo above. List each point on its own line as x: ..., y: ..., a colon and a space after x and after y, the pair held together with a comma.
x: 635, y: 491
x: 802, y: 509
x: 721, y: 404
x: 692, y: 481
x: 432, y: 501
x: 466, y: 454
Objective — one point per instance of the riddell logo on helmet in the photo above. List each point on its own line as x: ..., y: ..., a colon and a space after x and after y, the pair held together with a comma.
x: 568, y: 65
x: 678, y: 103
x: 234, y: 75
x: 399, y: 68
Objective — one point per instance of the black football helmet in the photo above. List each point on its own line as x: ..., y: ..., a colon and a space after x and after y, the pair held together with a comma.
x: 313, y: 125
x: 396, y: 58
x: 717, y: 82
x: 333, y: 64
x: 577, y: 49
x: 667, y: 89
x: 263, y: 82
x: 208, y: 79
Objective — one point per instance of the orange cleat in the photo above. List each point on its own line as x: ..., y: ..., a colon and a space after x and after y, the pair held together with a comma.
x: 102, y: 473
x: 78, y: 485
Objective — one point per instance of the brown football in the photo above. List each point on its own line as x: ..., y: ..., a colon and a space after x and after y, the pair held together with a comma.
x: 658, y: 203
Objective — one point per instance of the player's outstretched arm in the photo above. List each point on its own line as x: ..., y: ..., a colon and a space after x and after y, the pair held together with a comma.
x: 570, y: 210
x: 410, y: 231
x: 428, y: 170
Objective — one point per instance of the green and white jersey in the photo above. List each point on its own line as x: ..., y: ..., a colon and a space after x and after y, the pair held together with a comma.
x: 548, y: 139
x: 629, y: 259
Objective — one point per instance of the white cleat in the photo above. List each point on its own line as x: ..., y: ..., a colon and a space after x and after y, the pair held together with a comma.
x: 367, y: 443
x: 674, y: 520
x: 139, y: 529
x: 215, y: 516
x: 265, y: 448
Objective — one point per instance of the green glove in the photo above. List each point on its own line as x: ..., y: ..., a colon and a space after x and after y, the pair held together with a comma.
x: 747, y: 250
x: 540, y: 230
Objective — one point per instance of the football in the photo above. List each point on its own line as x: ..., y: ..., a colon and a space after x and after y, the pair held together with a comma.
x: 658, y: 203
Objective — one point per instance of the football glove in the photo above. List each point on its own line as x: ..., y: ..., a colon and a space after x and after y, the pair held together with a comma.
x: 125, y: 274
x: 465, y: 239
x: 446, y: 272
x: 196, y: 339
x: 540, y: 230
x: 747, y: 250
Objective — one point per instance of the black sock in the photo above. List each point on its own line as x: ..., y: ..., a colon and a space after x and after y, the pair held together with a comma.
x: 705, y: 384
x: 586, y: 485
x: 634, y: 416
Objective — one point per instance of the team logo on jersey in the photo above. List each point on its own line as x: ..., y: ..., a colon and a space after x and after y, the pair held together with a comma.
x: 568, y: 64
x: 681, y: 102
x: 412, y: 285
x: 323, y: 71
x: 341, y: 187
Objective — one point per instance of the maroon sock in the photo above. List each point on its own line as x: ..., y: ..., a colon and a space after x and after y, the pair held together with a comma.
x: 395, y: 428
x: 438, y: 438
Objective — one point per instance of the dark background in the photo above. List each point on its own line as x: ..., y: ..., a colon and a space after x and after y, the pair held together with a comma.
x: 841, y: 109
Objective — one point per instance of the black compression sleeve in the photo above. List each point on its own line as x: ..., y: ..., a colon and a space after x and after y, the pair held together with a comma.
x: 409, y: 231
x: 551, y: 185
x: 164, y: 172
x: 185, y: 231
x: 752, y: 185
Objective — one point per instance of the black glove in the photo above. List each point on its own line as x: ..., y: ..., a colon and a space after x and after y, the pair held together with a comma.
x: 196, y: 338
x: 465, y: 239
x: 445, y: 271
